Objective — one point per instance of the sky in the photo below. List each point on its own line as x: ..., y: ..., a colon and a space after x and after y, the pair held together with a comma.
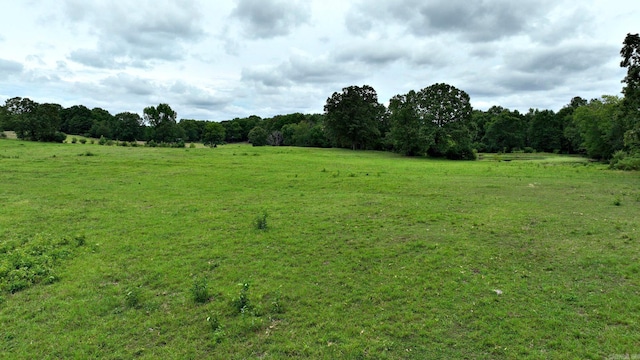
x: 218, y: 60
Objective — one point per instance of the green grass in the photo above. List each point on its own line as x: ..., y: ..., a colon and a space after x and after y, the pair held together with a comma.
x: 366, y: 255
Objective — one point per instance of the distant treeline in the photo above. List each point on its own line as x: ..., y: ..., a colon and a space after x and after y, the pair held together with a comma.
x: 436, y: 121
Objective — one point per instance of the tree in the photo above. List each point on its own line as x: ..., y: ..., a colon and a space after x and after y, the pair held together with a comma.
x: 162, y: 120
x: 631, y: 104
x: 128, y: 126
x: 353, y: 117
x: 76, y: 120
x: 258, y: 136
x: 545, y: 130
x: 435, y: 121
x: 213, y: 134
x: 601, y: 126
x: 506, y: 131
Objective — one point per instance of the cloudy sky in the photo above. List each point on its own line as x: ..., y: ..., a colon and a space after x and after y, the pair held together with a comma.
x: 222, y: 59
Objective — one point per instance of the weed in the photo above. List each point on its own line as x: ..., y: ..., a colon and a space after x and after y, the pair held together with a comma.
x: 214, y: 322
x: 200, y: 290
x: 132, y: 298
x: 241, y: 304
x: 617, y: 201
x: 276, y: 304
x: 260, y: 222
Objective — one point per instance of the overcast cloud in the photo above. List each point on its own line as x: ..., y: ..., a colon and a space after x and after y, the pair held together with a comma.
x: 225, y: 59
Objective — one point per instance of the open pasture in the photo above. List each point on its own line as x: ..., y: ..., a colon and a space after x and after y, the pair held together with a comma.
x: 119, y: 252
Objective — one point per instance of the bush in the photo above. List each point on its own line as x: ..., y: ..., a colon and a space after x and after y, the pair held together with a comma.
x: 3, y: 135
x: 529, y: 150
x: 260, y: 222
x: 59, y: 137
x: 102, y: 141
x: 623, y: 161
x: 83, y: 141
x: 242, y: 304
x: 200, y: 290
x: 151, y: 143
x: 74, y: 140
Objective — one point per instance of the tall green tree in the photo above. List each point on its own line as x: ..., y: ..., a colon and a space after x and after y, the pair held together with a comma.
x: 434, y: 121
x: 505, y: 132
x: 77, y: 120
x: 631, y: 104
x: 601, y: 126
x: 213, y: 134
x: 353, y: 117
x: 128, y: 126
x: 545, y: 130
x: 162, y: 120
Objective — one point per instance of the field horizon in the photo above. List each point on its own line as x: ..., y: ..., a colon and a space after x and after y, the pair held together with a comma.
x: 279, y: 252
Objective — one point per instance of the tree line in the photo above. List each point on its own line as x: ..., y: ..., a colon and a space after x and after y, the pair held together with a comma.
x: 436, y: 121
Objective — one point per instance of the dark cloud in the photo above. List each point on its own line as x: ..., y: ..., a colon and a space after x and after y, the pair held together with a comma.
x: 474, y: 21
x: 135, y: 34
x: 263, y: 19
x: 562, y: 60
x: 9, y: 68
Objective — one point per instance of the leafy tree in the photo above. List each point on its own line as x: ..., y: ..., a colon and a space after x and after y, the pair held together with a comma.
x: 631, y: 104
x: 506, y: 131
x: 214, y: 134
x: 572, y: 139
x: 435, y: 121
x: 128, y: 126
x: 600, y: 126
x: 162, y: 120
x: 77, y: 120
x: 545, y: 130
x: 353, y: 117
x: 258, y: 136
x: 193, y: 129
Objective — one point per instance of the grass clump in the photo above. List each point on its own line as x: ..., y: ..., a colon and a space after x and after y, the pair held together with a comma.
x: 241, y: 304
x: 260, y: 222
x: 200, y: 290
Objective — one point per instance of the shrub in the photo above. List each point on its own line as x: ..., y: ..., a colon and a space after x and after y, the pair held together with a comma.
x: 200, y: 290
x: 102, y: 141
x: 623, y: 161
x: 242, y: 304
x: 3, y: 135
x: 151, y: 143
x: 529, y: 150
x: 92, y: 141
x: 83, y: 141
x: 74, y: 140
x: 192, y: 146
x: 132, y: 298
x: 260, y: 221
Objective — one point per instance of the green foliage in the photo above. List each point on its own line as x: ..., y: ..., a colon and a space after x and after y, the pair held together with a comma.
x: 353, y: 117
x: 435, y: 121
x: 242, y: 304
x: 74, y: 140
x: 200, y: 290
x: 213, y: 134
x: 83, y: 141
x: 621, y: 160
x: 258, y: 136
x: 260, y: 222
x: 132, y: 298
x: 162, y: 120
x: 26, y: 262
x: 102, y: 140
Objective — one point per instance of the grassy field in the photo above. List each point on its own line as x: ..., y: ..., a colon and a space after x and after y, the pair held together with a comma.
x: 119, y: 252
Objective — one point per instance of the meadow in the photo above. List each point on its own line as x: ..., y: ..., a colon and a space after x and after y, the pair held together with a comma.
x: 243, y: 252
